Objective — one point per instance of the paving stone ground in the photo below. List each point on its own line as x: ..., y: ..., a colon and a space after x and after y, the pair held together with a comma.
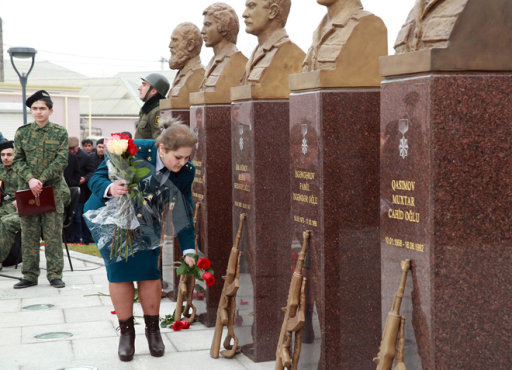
x: 79, y: 310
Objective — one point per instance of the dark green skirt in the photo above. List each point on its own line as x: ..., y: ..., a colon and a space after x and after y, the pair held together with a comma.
x: 142, y: 266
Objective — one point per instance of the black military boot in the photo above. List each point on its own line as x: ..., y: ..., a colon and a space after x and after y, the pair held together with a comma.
x: 126, y: 340
x: 155, y: 343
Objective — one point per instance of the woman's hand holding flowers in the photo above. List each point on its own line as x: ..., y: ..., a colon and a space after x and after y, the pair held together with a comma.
x: 200, y: 268
x: 190, y: 261
x: 118, y: 188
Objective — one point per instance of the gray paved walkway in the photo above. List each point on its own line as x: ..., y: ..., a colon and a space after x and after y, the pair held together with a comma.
x: 77, y: 309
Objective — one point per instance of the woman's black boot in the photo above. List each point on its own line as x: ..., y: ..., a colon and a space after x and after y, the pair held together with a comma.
x: 126, y: 340
x: 155, y: 343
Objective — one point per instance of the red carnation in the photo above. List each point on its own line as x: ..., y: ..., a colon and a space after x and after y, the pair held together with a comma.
x: 177, y: 326
x: 186, y: 324
x: 204, y: 263
x: 124, y: 137
x: 132, y: 148
x: 208, y: 279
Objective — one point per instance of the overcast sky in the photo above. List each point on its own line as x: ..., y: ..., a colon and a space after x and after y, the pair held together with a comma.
x: 102, y: 37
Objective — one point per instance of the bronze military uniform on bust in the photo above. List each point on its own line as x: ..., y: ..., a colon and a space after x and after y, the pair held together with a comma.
x: 275, y: 57
x: 330, y: 37
x: 346, y: 48
x: 429, y: 25
x: 220, y: 32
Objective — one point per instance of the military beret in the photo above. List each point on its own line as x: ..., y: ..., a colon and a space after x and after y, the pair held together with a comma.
x: 6, y: 145
x: 38, y: 95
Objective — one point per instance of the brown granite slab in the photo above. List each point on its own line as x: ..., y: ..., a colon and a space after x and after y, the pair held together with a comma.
x: 261, y: 189
x: 182, y: 114
x: 445, y: 204
x: 334, y: 193
x: 212, y: 188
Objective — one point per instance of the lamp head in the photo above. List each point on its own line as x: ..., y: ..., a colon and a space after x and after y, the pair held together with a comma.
x: 22, y: 52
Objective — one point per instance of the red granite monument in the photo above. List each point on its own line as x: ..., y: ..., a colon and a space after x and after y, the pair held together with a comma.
x: 210, y: 118
x: 446, y: 120
x: 261, y: 182
x: 334, y: 134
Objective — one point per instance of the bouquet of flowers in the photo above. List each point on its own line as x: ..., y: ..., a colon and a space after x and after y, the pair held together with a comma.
x: 202, y: 270
x: 121, y: 151
x: 114, y: 225
x: 133, y: 222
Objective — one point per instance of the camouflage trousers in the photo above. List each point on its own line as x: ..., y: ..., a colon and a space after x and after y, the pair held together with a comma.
x: 49, y: 227
x: 9, y: 226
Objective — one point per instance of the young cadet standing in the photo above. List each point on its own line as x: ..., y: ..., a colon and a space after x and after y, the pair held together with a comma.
x: 153, y: 88
x: 40, y: 157
x: 9, y: 220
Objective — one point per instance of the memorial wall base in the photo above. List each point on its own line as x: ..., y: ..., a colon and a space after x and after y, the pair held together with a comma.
x: 445, y: 204
x: 261, y: 189
x: 334, y: 139
x: 212, y: 189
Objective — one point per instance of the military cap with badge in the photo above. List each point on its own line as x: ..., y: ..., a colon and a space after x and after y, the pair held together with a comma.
x: 39, y: 95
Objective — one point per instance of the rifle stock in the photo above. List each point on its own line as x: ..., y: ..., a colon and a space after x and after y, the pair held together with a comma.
x: 232, y: 349
x: 400, y: 357
x: 386, y: 355
x: 293, y: 321
x: 187, y: 285
x: 227, y: 304
x: 298, y: 335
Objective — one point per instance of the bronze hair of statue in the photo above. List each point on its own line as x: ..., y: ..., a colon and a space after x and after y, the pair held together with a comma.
x: 275, y: 57
x: 220, y: 32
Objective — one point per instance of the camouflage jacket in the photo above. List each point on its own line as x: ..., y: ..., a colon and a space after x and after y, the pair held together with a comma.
x: 10, y: 182
x: 41, y: 153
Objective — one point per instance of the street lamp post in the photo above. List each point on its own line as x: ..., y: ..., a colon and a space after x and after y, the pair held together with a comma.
x: 23, y: 53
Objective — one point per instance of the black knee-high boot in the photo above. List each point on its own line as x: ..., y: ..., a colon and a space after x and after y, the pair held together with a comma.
x: 155, y: 343
x: 126, y: 340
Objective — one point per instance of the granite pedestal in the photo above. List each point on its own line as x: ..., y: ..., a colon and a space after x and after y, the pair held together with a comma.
x: 212, y: 189
x: 334, y: 138
x: 182, y: 114
x: 261, y: 189
x: 445, y: 204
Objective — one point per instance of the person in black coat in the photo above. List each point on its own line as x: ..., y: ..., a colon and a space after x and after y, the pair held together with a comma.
x: 87, y: 167
x: 72, y: 171
x: 99, y: 154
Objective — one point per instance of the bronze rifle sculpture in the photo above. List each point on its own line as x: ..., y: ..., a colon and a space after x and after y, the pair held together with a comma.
x: 187, y: 285
x: 227, y: 303
x: 400, y: 356
x: 294, y: 317
x: 394, y: 324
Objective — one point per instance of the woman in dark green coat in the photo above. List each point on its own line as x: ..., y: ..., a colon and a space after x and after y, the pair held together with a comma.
x: 168, y: 157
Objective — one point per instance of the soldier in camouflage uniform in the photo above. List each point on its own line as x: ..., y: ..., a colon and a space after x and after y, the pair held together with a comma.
x: 9, y: 219
x: 153, y: 88
x: 40, y: 156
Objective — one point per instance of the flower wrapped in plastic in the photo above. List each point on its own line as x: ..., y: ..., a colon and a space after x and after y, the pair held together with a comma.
x: 133, y: 222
